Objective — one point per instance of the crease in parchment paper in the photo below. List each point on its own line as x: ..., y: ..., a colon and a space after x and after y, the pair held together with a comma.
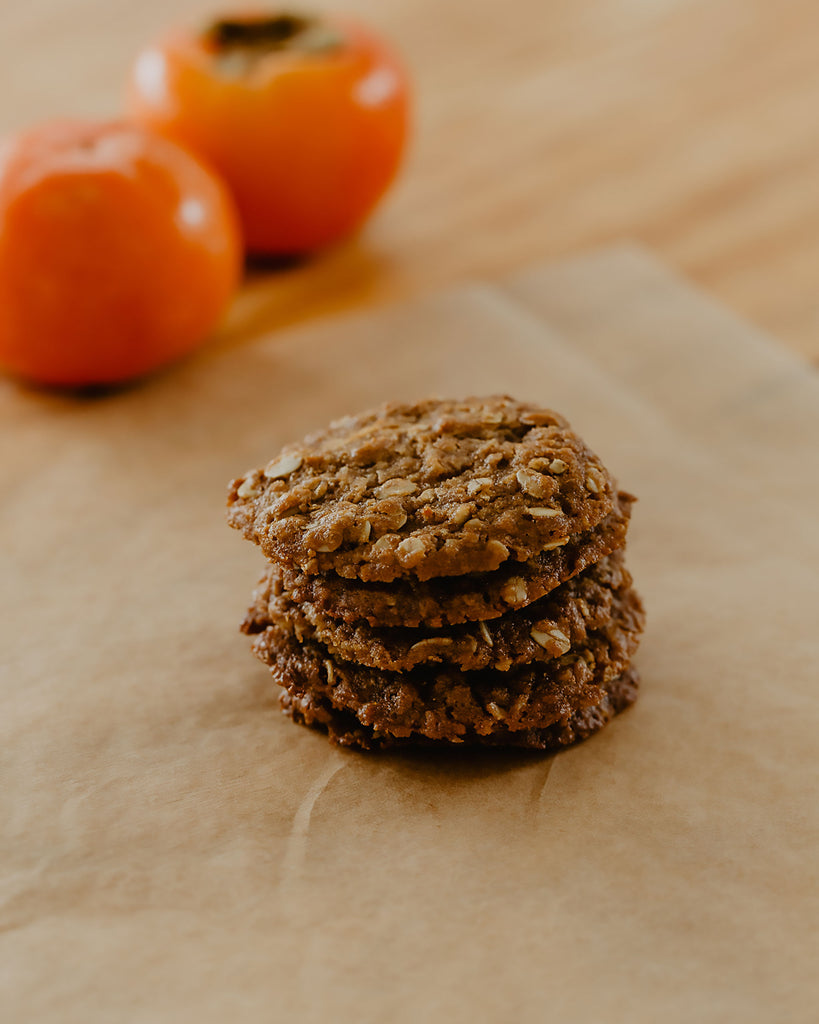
x: 539, y: 786
x: 296, y: 842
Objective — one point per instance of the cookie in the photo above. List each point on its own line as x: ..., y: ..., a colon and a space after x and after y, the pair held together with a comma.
x: 451, y: 600
x: 444, y: 704
x: 346, y: 730
x: 438, y: 488
x: 545, y: 629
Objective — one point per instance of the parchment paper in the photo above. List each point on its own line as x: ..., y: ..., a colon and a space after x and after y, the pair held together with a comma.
x: 173, y: 850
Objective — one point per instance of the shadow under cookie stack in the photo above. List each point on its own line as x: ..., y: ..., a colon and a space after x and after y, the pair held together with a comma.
x: 444, y: 572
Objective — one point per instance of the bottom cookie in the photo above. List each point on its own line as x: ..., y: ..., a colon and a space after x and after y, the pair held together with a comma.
x: 344, y: 728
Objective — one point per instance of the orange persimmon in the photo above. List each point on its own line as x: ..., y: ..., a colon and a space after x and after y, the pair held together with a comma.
x: 119, y: 251
x: 305, y: 118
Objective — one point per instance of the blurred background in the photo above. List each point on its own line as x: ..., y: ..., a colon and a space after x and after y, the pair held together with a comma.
x: 541, y: 130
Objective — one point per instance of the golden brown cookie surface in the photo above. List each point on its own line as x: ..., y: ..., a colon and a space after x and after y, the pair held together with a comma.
x: 438, y: 488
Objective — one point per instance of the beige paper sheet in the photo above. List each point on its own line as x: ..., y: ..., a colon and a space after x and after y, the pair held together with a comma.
x: 173, y: 850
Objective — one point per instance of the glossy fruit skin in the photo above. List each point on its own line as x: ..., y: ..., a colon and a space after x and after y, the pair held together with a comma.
x: 308, y: 142
x: 119, y: 252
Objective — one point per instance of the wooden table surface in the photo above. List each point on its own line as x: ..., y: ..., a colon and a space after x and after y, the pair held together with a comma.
x: 542, y: 129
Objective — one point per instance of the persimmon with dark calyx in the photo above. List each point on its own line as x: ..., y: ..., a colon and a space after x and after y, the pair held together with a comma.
x: 305, y: 118
x: 119, y: 252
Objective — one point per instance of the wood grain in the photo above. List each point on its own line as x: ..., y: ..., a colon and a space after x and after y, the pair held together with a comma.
x: 542, y: 129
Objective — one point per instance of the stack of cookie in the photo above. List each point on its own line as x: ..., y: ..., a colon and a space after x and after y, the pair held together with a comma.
x: 449, y: 571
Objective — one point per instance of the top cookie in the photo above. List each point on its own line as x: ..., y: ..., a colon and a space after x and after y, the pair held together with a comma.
x: 439, y: 488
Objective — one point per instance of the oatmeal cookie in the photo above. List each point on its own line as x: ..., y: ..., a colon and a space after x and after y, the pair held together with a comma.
x: 451, y: 600
x: 438, y: 488
x: 347, y: 731
x: 548, y: 628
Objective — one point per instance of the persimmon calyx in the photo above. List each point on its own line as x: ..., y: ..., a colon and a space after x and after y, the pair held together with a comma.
x: 239, y: 42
